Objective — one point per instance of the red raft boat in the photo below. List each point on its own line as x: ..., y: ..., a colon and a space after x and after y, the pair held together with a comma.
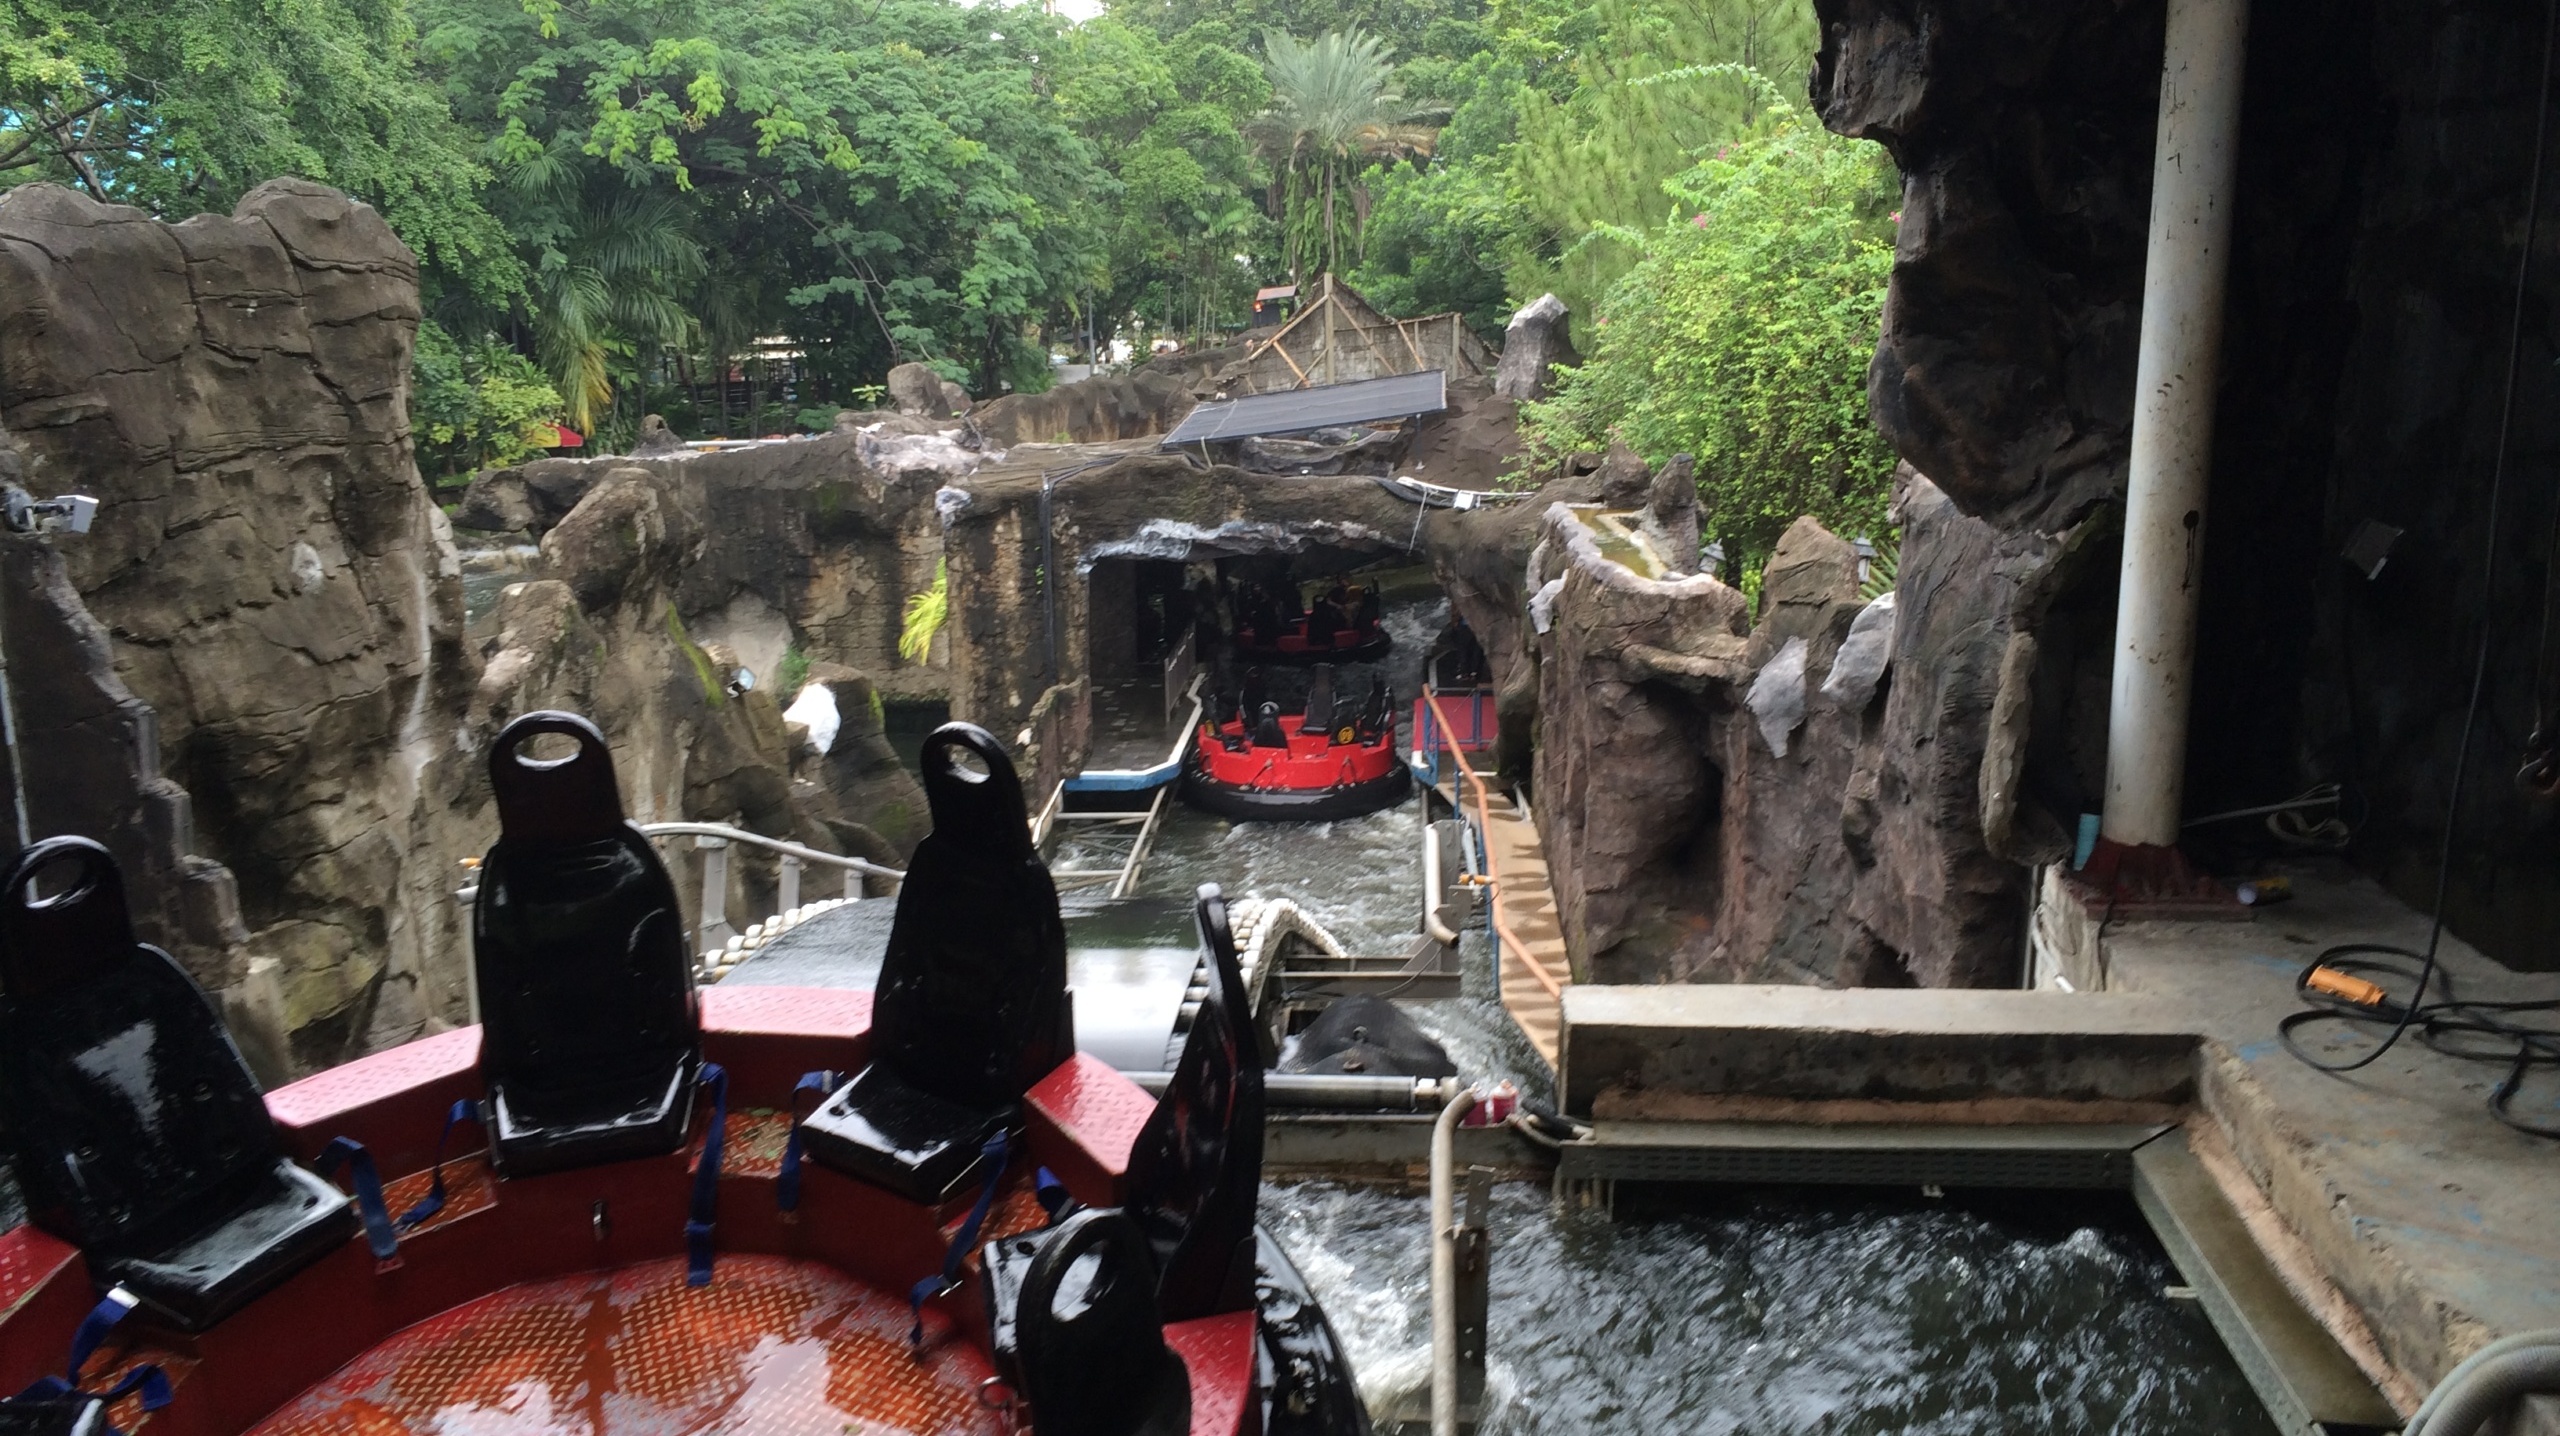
x: 1336, y: 758
x: 977, y: 1228
x: 1341, y: 626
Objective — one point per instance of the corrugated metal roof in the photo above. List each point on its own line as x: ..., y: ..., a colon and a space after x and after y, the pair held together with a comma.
x: 1277, y: 291
x: 1290, y: 411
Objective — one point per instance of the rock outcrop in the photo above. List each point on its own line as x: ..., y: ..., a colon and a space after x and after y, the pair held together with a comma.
x: 278, y: 592
x: 918, y: 392
x: 2024, y: 135
x: 1537, y: 340
x: 1837, y: 793
x: 1091, y: 411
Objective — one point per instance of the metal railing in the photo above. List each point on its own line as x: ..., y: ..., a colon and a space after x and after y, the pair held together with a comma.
x: 712, y: 930
x: 1492, y: 865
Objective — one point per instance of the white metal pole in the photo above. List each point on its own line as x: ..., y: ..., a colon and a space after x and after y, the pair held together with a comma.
x: 2162, y: 577
x: 1444, y: 1264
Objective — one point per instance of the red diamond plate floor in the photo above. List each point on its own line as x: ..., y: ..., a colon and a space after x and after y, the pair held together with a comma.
x: 770, y: 1348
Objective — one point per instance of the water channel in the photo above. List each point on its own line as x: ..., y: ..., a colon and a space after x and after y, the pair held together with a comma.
x: 1729, y: 1311
x: 1780, y: 1312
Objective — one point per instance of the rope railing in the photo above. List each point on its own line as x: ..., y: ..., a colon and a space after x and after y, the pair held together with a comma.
x: 1492, y: 865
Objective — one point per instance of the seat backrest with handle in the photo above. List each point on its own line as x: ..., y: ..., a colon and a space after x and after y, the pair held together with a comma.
x: 129, y: 1110
x: 971, y: 1003
x: 585, y: 982
x: 1195, y: 1171
x: 1094, y: 1361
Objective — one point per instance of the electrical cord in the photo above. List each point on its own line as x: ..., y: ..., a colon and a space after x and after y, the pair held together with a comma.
x: 2449, y: 1026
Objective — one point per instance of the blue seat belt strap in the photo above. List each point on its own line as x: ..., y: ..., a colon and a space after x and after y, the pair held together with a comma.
x: 786, y: 1186
x: 706, y: 1180
x: 367, y: 1180
x: 465, y: 1110
x: 148, y: 1379
x: 963, y: 1241
x: 1053, y: 1194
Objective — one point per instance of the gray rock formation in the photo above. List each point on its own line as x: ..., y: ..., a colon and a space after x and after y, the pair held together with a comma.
x: 1537, y: 339
x: 919, y: 392
x: 282, y: 596
x: 1092, y: 411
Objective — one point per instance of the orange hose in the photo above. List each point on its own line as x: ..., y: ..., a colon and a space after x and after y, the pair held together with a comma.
x: 1493, y: 868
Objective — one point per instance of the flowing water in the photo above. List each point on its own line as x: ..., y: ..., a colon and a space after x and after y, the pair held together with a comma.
x: 1786, y: 1313
x: 1849, y: 1313
x: 487, y: 569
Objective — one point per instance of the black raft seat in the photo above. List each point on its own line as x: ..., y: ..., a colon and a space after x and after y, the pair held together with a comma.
x: 137, y: 1131
x: 1195, y: 1171
x: 971, y: 1005
x: 591, y: 1037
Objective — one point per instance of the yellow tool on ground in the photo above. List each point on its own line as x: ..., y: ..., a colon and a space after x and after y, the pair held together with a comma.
x: 2345, y: 987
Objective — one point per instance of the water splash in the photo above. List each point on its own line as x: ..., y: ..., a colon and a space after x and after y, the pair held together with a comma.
x: 1852, y: 1314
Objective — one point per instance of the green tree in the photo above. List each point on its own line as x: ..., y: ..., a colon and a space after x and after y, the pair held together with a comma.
x: 478, y: 408
x: 1335, y: 109
x: 183, y: 108
x: 1655, y: 83
x: 879, y: 180
x: 1742, y: 334
x: 1165, y: 117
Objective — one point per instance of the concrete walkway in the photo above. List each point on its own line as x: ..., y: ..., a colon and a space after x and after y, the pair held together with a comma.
x: 1526, y: 900
x: 2392, y: 1187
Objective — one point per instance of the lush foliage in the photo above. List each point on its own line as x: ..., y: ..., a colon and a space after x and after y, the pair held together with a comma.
x: 1166, y: 114
x: 477, y: 408
x: 1334, y: 112
x: 879, y: 181
x: 924, y: 616
x: 742, y: 213
x: 1741, y: 335
x: 1565, y: 121
x: 183, y: 108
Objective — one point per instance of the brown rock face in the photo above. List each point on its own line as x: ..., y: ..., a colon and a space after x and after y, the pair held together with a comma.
x: 1713, y: 807
x: 278, y: 589
x: 2023, y: 130
x: 1629, y: 800
x: 1092, y: 411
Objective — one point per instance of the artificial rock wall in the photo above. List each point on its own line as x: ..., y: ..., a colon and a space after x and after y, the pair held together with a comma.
x: 2385, y: 156
x: 275, y: 594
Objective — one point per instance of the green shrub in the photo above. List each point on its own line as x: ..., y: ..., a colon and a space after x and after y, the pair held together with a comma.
x: 1742, y: 337
x: 924, y: 616
x: 484, y: 407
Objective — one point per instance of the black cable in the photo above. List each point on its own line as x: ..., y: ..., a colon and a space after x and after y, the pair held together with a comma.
x: 2533, y: 1046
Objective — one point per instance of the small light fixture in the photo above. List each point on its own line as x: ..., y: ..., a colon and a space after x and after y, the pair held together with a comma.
x: 1711, y: 563
x: 2369, y: 548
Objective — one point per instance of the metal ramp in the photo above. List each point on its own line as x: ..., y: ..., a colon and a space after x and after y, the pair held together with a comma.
x: 1108, y: 837
x: 1109, y: 819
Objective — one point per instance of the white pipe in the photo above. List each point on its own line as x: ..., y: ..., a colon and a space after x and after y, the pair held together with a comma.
x: 777, y: 845
x: 1439, y: 931
x: 2181, y: 350
x: 2485, y: 1391
x: 1444, y: 1264
x: 1347, y: 1091
x: 2460, y: 1375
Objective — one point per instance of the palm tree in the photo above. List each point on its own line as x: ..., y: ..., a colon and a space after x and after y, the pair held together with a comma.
x: 1334, y: 110
x: 610, y: 260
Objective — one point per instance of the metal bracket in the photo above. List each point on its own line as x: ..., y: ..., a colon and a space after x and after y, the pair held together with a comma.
x: 24, y: 513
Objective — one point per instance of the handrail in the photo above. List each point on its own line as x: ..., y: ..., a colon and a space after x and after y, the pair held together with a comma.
x: 779, y: 845
x: 1432, y: 925
x: 1493, y: 868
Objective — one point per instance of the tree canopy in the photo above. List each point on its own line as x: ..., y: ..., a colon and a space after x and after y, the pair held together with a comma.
x: 742, y: 213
